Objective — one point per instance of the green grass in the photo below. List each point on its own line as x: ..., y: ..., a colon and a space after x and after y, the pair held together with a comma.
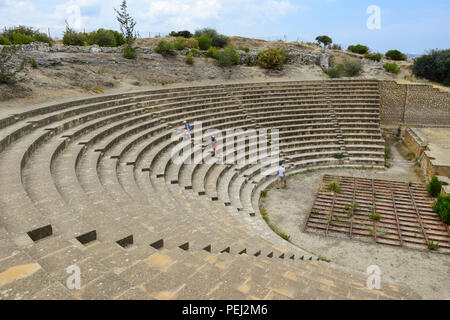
x: 335, y: 187
x: 433, y: 246
x: 375, y: 216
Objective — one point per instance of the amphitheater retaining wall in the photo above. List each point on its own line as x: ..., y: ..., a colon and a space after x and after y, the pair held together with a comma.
x: 413, y: 104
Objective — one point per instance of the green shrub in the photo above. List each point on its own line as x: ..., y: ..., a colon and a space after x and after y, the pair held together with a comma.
x: 434, y: 66
x: 19, y: 38
x: 101, y: 37
x: 358, y: 49
x: 336, y: 72
x: 395, y: 55
x: 392, y: 68
x: 190, y: 58
x: 217, y: 40
x: 204, y: 42
x: 375, y: 216
x: 387, y: 153
x: 213, y: 52
x: 442, y: 207
x: 195, y: 52
x: 179, y: 43
x: 228, y: 57
x: 24, y: 35
x: 373, y: 56
x: 166, y: 48
x: 272, y: 58
x: 4, y: 41
x: 220, y: 41
x: 432, y: 245
x: 334, y: 186
x: 129, y: 53
x: 352, y: 68
x: 33, y: 63
x: 263, y: 193
x: 73, y: 38
x: 434, y: 187
x: 192, y: 43
x: 246, y: 49
x: 185, y: 34
x: 339, y: 155
x: 105, y: 38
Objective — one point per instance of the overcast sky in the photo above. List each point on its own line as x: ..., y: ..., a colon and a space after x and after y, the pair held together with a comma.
x: 411, y: 26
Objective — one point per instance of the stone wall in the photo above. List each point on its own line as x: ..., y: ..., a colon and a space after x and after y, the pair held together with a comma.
x: 415, y: 142
x: 413, y: 104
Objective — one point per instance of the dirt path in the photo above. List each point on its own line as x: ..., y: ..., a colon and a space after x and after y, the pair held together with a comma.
x: 427, y: 273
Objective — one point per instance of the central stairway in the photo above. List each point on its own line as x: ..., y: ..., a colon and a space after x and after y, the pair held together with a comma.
x: 92, y: 183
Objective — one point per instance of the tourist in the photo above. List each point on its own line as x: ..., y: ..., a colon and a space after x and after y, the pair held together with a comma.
x: 213, y: 145
x: 188, y: 129
x: 281, y: 176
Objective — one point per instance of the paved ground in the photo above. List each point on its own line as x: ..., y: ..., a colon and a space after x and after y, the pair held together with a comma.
x: 428, y: 273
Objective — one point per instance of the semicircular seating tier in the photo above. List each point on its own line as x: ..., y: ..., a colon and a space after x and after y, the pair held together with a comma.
x: 92, y: 183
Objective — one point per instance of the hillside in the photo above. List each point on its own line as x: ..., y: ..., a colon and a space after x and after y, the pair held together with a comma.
x: 62, y: 73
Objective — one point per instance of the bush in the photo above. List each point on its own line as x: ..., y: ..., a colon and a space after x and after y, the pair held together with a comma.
x: 228, y: 57
x: 358, y: 49
x: 246, y: 49
x: 434, y: 66
x: 434, y: 187
x: 213, y: 52
x: 442, y: 207
x: 179, y: 43
x: 392, y: 68
x: 19, y: 38
x: 192, y: 43
x: 272, y: 58
x: 373, y: 56
x: 4, y: 41
x: 42, y: 37
x: 195, y: 52
x: 23, y: 35
x: 336, y: 72
x: 10, y: 71
x: 217, y: 40
x: 335, y: 187
x: 185, y: 34
x: 352, y: 68
x: 166, y: 48
x: 190, y: 58
x: 220, y: 41
x: 395, y: 55
x: 129, y: 53
x: 73, y: 38
x: 105, y: 38
x: 102, y: 37
x: 204, y: 42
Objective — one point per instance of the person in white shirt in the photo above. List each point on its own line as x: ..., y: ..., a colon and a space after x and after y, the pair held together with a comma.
x: 281, y: 176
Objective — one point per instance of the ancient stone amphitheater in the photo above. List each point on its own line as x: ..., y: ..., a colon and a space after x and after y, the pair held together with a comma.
x: 90, y: 183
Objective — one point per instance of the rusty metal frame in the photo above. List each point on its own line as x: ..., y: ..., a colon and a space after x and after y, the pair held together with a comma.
x: 406, y: 215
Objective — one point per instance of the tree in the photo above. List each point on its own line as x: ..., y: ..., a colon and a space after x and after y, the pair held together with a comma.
x: 127, y: 24
x: 325, y: 40
x: 395, y: 55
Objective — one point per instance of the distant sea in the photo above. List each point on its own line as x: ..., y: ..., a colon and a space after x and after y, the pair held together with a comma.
x: 412, y: 55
